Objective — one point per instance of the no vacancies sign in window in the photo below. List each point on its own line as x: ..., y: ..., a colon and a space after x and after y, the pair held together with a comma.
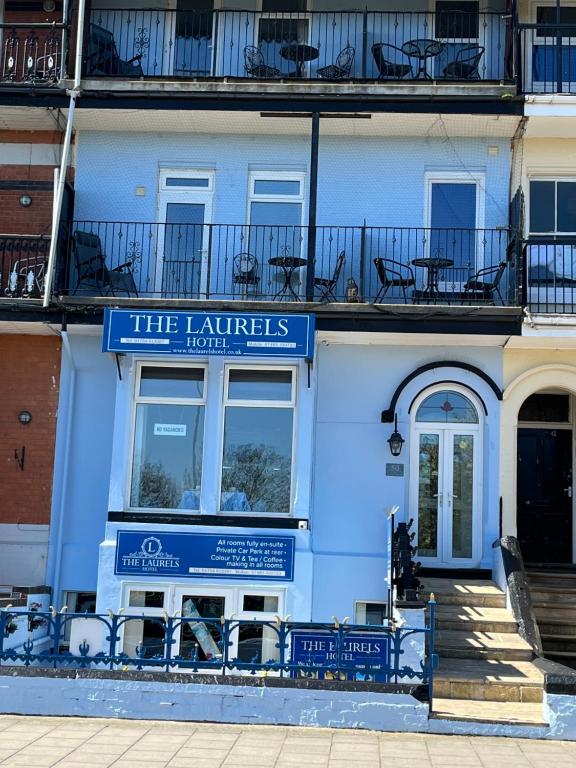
x: 208, y: 333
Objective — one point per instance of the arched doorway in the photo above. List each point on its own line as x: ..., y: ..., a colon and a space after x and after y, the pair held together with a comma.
x: 446, y: 476
x: 544, y: 506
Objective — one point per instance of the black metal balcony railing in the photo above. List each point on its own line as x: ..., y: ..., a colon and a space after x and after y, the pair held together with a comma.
x: 548, y: 58
x: 32, y: 54
x: 550, y: 280
x: 23, y: 261
x: 329, y: 45
x: 270, y: 263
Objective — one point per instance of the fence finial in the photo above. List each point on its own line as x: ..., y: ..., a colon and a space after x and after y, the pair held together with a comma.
x: 432, y: 597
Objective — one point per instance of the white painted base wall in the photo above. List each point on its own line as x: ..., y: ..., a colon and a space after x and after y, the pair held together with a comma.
x: 23, y: 554
x: 142, y: 700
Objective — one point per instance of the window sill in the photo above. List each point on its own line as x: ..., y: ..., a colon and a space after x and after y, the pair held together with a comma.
x: 224, y: 520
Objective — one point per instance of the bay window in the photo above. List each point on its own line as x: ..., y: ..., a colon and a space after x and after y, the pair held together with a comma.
x: 247, y: 468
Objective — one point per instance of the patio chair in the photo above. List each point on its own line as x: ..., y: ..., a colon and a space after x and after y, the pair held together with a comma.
x: 245, y: 269
x: 92, y: 275
x: 326, y: 285
x: 341, y: 69
x: 390, y: 70
x: 255, y: 65
x: 103, y: 58
x: 465, y: 65
x: 486, y: 283
x: 393, y: 274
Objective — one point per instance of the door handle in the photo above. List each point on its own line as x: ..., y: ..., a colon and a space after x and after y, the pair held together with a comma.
x: 439, y: 496
x: 568, y: 491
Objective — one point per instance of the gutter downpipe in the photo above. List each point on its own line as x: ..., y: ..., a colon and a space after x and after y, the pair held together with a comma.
x: 59, y: 497
x: 60, y: 182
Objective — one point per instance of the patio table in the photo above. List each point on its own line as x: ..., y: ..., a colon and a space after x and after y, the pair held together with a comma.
x: 300, y: 54
x: 433, y: 265
x: 288, y: 265
x: 422, y: 49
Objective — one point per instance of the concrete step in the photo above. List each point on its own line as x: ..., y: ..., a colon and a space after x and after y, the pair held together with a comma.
x: 468, y: 617
x: 552, y: 613
x: 482, y: 645
x: 488, y: 711
x: 458, y: 592
x: 555, y: 643
x: 488, y: 680
x: 552, y: 628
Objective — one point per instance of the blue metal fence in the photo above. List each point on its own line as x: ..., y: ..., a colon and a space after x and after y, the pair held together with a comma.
x: 223, y: 646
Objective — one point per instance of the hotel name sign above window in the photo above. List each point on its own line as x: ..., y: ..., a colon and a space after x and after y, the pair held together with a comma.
x: 208, y: 333
x: 201, y: 555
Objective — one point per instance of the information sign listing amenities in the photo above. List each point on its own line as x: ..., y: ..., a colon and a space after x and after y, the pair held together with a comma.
x: 199, y: 555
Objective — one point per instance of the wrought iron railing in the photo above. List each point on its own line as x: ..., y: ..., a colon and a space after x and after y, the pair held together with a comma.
x: 548, y: 58
x: 290, y: 263
x: 550, y: 275
x: 33, y: 54
x: 329, y: 45
x: 23, y: 260
x: 219, y: 645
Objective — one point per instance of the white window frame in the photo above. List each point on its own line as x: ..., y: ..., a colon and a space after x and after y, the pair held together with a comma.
x: 455, y: 177
x: 274, y: 175
x: 127, y: 588
x: 383, y: 603
x: 138, y: 399
x: 292, y: 403
x: 556, y: 179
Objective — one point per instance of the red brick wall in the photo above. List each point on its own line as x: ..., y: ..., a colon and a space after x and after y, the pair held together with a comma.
x: 30, y: 374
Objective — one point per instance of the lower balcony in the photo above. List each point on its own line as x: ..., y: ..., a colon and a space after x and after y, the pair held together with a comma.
x: 287, y: 263
x: 23, y: 260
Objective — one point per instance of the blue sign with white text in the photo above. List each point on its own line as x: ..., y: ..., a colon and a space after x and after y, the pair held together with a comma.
x: 208, y: 333
x: 360, y: 651
x: 199, y: 555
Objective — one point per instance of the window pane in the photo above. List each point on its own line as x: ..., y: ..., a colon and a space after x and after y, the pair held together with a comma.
x: 276, y: 187
x: 172, y: 382
x: 456, y: 19
x: 257, y: 461
x: 555, y: 408
x: 447, y: 408
x: 260, y: 385
x: 284, y: 5
x: 371, y: 613
x: 202, y: 639
x: 462, y: 505
x: 260, y: 603
x: 546, y: 14
x: 566, y: 202
x: 542, y: 204
x: 257, y: 645
x: 144, y: 599
x: 84, y: 602
x: 281, y: 215
x: 144, y: 638
x: 428, y: 461
x: 453, y: 205
x: 173, y: 181
x: 167, y: 466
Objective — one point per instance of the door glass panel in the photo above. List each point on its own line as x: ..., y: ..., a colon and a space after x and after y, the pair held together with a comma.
x: 182, y: 250
x: 428, y: 466
x: 145, y: 638
x: 453, y: 222
x: 462, y: 495
x: 257, y: 644
x: 202, y: 640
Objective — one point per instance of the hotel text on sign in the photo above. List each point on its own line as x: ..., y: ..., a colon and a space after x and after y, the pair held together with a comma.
x: 208, y: 333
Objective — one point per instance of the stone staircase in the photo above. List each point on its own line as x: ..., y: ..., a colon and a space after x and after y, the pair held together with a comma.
x: 553, y: 595
x: 485, y: 672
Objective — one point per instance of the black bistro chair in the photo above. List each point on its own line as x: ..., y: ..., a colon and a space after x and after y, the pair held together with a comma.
x: 486, y: 284
x: 342, y: 67
x: 255, y: 65
x: 103, y: 58
x: 465, y: 65
x: 92, y: 275
x: 245, y: 270
x: 386, y: 56
x: 393, y: 274
x: 326, y: 285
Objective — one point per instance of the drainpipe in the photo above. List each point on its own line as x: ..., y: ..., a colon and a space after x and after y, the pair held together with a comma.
x: 60, y: 493
x: 65, y: 159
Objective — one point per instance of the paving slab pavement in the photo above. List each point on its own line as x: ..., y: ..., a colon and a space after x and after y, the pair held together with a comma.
x: 44, y: 742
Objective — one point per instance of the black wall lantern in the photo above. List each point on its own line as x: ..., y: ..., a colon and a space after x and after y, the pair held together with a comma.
x: 396, y: 441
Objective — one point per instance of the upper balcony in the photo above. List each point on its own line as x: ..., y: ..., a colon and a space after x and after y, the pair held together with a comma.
x: 548, y: 61
x: 407, y: 51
